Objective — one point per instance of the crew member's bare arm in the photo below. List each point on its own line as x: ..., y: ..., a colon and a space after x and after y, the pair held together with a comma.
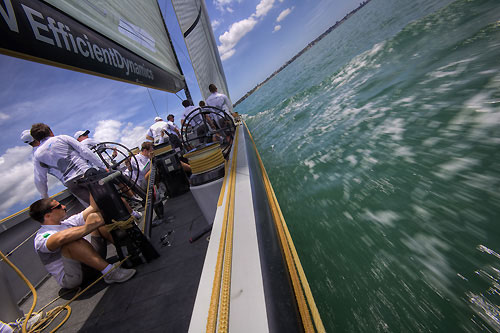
x: 69, y: 235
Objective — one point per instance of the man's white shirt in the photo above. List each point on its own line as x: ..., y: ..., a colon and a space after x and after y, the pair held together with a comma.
x: 171, y: 127
x: 52, y: 260
x: 155, y: 131
x: 220, y: 101
x: 63, y: 157
x: 195, y: 116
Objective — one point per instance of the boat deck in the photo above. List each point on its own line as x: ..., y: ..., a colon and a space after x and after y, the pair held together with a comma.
x: 159, y: 298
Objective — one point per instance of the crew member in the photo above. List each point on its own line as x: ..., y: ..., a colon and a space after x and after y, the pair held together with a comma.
x: 27, y: 138
x: 83, y: 138
x: 155, y: 132
x: 62, y: 249
x: 219, y: 100
x: 63, y: 157
x: 195, y: 120
x: 188, y: 108
x: 173, y: 132
x: 144, y: 164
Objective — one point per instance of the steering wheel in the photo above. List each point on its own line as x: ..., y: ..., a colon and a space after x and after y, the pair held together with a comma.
x: 208, y: 124
x: 118, y: 157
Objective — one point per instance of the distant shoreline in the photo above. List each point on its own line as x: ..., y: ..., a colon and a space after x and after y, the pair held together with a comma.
x: 361, y: 5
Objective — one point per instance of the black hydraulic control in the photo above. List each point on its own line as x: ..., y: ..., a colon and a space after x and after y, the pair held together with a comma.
x: 129, y: 241
x: 171, y: 173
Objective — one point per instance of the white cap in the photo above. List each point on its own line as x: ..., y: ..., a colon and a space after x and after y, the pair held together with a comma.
x: 80, y: 133
x: 26, y: 137
x: 158, y: 119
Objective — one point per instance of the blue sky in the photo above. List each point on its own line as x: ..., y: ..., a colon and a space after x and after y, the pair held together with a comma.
x: 254, y: 38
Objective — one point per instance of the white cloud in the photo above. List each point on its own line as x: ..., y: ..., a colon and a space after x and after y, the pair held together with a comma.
x: 16, y: 172
x: 284, y: 14
x: 215, y: 24
x: 239, y: 29
x: 276, y: 28
x: 3, y: 116
x: 128, y: 134
x: 107, y: 130
x: 230, y: 38
x: 223, y: 5
x: 263, y: 7
x: 133, y: 136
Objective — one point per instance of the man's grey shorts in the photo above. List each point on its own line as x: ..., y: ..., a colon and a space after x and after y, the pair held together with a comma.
x: 73, y: 274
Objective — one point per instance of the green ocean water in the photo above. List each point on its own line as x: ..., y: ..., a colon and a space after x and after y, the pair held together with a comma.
x: 382, y: 143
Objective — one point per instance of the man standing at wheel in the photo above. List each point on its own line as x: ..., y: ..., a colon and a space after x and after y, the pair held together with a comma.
x: 173, y: 132
x: 64, y: 158
x: 218, y: 100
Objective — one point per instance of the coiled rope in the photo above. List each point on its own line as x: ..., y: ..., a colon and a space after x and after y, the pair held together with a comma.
x: 51, y: 315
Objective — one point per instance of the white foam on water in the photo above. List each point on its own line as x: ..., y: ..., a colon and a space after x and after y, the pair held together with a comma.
x: 422, y: 212
x: 458, y: 164
x: 352, y: 160
x: 451, y: 70
x: 405, y: 152
x: 383, y: 217
x: 430, y: 252
x: 406, y: 100
x: 483, y: 182
x: 348, y: 216
x: 429, y: 142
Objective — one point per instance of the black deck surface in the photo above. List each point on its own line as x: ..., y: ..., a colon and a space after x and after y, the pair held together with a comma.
x: 160, y: 297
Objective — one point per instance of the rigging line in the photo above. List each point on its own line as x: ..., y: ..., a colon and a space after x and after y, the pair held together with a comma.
x: 178, y: 48
x: 178, y: 97
x: 152, y: 102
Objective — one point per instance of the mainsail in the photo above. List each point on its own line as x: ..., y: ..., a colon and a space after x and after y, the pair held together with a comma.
x: 200, y: 41
x: 125, y: 40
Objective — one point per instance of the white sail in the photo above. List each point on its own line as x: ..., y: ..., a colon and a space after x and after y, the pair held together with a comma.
x: 200, y: 41
x: 124, y: 40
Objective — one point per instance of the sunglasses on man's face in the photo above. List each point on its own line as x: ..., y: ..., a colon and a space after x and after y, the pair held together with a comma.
x: 53, y: 208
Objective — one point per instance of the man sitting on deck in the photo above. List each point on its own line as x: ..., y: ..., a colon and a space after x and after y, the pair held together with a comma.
x: 62, y: 248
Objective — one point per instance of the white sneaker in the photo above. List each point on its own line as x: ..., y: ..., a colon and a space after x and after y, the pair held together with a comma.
x: 119, y: 275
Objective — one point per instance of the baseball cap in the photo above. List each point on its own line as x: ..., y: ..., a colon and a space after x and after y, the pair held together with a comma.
x: 80, y: 133
x: 26, y: 137
x: 158, y: 118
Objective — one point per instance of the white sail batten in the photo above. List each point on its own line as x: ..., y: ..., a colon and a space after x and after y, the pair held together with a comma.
x: 125, y: 40
x: 200, y: 41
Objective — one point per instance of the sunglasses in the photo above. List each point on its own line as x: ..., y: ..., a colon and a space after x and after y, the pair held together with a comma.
x: 53, y: 208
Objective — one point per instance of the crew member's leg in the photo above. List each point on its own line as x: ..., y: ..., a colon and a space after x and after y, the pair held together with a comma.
x: 79, y: 191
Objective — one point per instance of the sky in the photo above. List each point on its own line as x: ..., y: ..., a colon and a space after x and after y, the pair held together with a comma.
x: 254, y: 38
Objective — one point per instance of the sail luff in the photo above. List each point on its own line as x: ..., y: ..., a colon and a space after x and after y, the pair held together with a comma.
x: 186, y: 88
x: 200, y: 42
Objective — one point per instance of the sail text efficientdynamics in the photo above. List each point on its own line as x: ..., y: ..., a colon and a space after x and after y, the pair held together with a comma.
x: 57, y: 34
